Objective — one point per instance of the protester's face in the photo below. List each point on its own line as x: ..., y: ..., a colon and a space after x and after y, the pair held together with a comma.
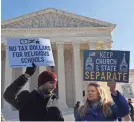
x: 48, y: 86
x: 92, y: 94
x: 129, y: 101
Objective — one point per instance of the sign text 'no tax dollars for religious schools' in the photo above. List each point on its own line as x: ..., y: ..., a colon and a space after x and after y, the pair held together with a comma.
x: 105, y: 65
x: 23, y: 52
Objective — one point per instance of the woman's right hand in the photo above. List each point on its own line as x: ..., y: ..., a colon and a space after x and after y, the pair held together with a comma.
x: 112, y: 86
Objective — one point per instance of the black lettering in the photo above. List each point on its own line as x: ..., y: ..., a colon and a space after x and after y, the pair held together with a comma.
x: 26, y: 54
x: 26, y: 60
x: 22, y: 60
x: 14, y: 54
x: 30, y: 47
x: 30, y: 60
x: 36, y: 59
x: 42, y: 59
x: 36, y: 53
x: 26, y: 47
x: 22, y: 48
x: 17, y: 54
x: 47, y: 53
x: 49, y: 48
x: 12, y: 48
x: 36, y: 47
x: 19, y: 48
x: 31, y: 41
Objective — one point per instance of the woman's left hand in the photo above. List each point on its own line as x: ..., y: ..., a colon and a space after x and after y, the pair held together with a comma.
x: 112, y: 86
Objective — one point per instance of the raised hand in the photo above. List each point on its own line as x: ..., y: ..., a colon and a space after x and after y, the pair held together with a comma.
x: 112, y: 85
x: 31, y: 70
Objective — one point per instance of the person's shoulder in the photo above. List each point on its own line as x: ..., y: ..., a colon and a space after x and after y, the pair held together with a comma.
x: 23, y: 98
x: 23, y: 94
x: 80, y: 108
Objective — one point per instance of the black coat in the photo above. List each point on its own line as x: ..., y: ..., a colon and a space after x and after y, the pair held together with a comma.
x: 32, y: 106
x: 131, y: 108
x: 131, y: 111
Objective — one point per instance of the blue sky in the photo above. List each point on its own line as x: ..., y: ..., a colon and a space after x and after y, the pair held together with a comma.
x: 120, y: 12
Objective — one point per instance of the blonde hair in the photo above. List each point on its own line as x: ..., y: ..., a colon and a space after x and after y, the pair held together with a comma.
x: 105, y: 103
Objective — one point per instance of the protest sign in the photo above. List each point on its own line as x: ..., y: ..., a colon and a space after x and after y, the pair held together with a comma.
x: 22, y: 52
x: 104, y: 65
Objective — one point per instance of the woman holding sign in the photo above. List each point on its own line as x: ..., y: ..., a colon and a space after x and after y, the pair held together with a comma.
x: 98, y: 108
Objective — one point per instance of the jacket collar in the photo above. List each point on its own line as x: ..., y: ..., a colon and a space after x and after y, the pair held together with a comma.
x: 45, y: 95
x: 95, y: 105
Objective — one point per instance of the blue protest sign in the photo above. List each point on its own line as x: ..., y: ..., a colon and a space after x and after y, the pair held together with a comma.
x: 104, y: 65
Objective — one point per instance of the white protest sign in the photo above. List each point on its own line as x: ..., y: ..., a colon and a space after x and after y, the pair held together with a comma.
x: 22, y: 52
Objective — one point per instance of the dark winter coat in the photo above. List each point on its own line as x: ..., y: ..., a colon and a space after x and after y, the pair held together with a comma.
x: 76, y: 110
x: 131, y: 111
x: 32, y: 106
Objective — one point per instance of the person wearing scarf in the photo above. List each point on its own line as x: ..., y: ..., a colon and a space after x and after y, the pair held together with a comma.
x: 98, y: 108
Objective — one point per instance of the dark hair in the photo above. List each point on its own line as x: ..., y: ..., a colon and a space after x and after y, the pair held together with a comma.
x: 78, y: 102
x: 129, y: 100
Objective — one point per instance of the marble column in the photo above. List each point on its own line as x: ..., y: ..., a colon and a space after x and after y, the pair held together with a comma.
x: 61, y: 75
x: 3, y: 66
x: 54, y: 69
x: 92, y: 45
x: 42, y: 68
x: 77, y: 73
x: 16, y: 72
x: 33, y: 81
x: 84, y: 82
x: 3, y: 63
x: 68, y: 57
x: 7, y: 81
x: 39, y: 71
x: 108, y: 45
x: 27, y: 85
